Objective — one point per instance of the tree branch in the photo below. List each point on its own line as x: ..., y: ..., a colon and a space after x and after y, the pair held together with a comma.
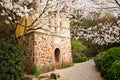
x: 40, y: 14
x: 30, y: 29
x: 35, y: 19
x: 34, y: 28
x: 117, y: 3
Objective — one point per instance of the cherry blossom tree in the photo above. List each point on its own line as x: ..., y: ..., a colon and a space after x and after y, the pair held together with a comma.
x: 103, y: 32
x: 15, y: 10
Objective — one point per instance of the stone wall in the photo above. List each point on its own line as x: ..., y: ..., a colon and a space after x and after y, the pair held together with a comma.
x: 43, y: 49
x: 27, y: 43
x: 40, y: 51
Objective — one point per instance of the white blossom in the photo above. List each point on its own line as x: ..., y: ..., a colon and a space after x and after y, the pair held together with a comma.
x: 15, y: 10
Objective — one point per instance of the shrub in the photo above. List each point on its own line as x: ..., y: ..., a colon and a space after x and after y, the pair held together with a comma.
x: 105, y: 60
x: 114, y: 71
x: 11, y: 57
x: 77, y: 46
x: 34, y: 71
x: 79, y: 58
x: 98, y: 59
x: 91, y: 50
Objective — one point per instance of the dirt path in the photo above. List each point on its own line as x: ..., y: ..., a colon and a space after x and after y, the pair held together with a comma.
x: 80, y: 71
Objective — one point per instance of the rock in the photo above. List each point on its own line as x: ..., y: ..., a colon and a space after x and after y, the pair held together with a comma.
x: 54, y: 76
x: 44, y: 77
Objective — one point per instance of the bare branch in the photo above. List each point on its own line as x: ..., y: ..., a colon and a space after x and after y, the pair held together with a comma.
x: 30, y: 29
x: 117, y: 3
x: 22, y: 25
x: 40, y: 14
x: 34, y: 28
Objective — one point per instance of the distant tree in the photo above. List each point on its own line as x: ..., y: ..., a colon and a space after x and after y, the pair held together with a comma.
x: 103, y: 28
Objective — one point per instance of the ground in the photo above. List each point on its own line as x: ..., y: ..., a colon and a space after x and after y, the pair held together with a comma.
x: 80, y: 71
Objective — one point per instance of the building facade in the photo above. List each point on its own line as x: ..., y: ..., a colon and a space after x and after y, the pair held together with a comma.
x: 48, y: 48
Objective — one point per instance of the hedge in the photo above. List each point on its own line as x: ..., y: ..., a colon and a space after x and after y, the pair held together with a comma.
x: 11, y: 57
x: 107, y: 62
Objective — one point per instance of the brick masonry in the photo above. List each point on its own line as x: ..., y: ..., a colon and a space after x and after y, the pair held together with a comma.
x: 40, y: 51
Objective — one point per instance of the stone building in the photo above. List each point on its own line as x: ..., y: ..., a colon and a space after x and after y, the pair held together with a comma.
x: 48, y: 48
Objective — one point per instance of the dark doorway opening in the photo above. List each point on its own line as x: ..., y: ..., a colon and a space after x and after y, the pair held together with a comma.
x: 57, y: 55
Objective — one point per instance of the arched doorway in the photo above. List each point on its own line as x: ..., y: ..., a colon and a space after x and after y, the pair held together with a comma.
x: 57, y: 57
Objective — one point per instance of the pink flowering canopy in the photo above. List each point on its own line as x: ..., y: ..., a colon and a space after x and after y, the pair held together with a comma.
x: 14, y: 10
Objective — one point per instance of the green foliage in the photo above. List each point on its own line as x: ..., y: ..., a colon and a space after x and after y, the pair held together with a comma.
x: 79, y: 57
x: 114, y: 71
x: 77, y: 46
x: 91, y: 50
x: 34, y: 71
x: 98, y: 59
x: 11, y: 57
x: 108, y: 62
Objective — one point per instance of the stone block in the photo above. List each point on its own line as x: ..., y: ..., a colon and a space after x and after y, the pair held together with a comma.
x: 40, y: 49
